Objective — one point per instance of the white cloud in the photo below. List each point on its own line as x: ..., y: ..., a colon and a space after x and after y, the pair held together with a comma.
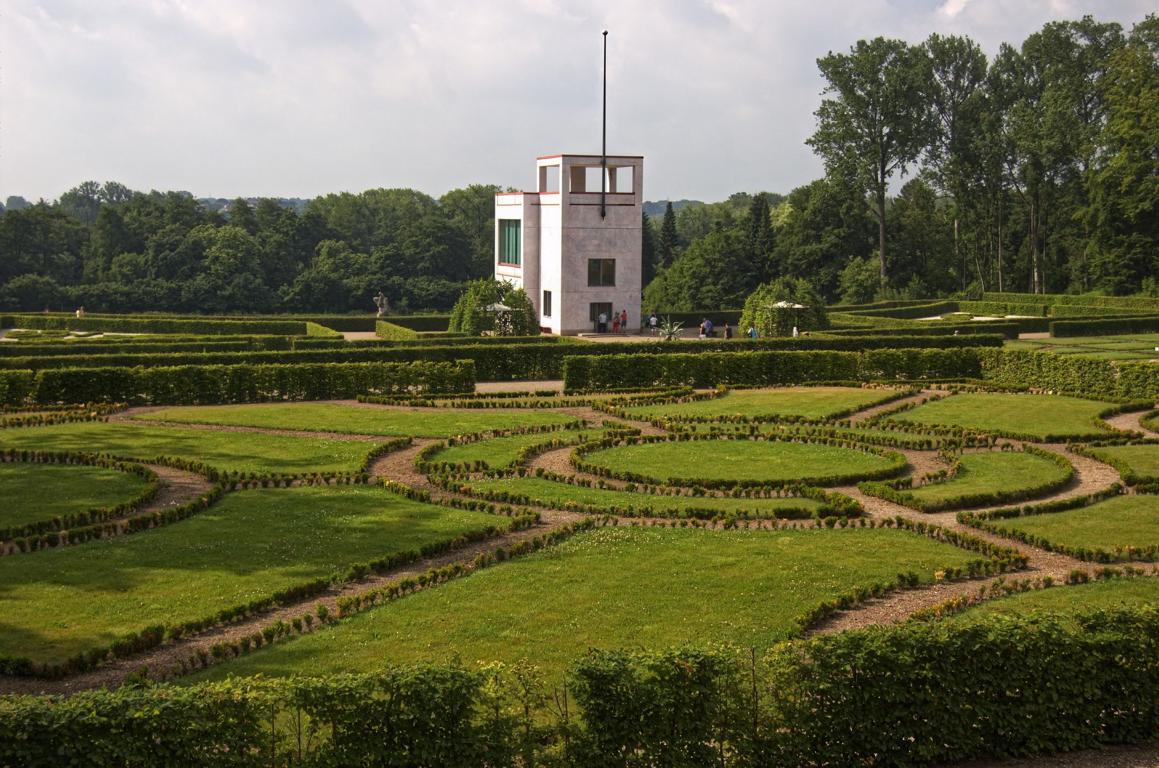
x: 300, y: 97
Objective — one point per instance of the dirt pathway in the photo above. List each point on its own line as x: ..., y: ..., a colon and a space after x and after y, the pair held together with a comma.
x: 175, y: 488
x: 1129, y: 422
x: 873, y: 411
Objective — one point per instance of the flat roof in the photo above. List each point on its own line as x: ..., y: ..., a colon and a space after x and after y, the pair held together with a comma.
x: 571, y: 154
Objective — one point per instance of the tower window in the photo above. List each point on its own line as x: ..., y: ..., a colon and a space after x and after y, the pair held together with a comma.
x: 601, y: 273
x: 510, y: 243
x: 547, y: 303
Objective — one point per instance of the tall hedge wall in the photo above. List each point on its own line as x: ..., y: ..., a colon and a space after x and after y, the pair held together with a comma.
x: 767, y: 368
x: 1066, y: 374
x: 914, y: 694
x: 1146, y: 303
x: 207, y: 326
x: 1105, y: 326
x: 245, y: 383
x: 529, y: 361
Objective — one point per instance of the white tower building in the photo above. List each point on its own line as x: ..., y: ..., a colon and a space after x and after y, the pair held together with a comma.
x: 575, y: 250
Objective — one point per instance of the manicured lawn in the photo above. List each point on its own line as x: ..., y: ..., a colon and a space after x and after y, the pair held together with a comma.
x: 1142, y: 459
x: 740, y: 461
x: 557, y: 495
x: 991, y: 472
x: 56, y: 603
x: 805, y: 402
x: 1111, y: 593
x: 616, y: 587
x: 35, y: 492
x: 230, y: 451
x: 501, y: 452
x: 1037, y: 415
x: 1117, y: 522
x: 362, y: 420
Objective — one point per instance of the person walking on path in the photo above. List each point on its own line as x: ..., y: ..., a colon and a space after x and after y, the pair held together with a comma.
x: 624, y: 320
x: 727, y: 331
x: 602, y: 323
x: 654, y: 322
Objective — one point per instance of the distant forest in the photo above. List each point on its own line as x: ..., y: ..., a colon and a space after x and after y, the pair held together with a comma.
x: 946, y: 173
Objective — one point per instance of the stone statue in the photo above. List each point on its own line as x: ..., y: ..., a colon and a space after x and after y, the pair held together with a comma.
x: 382, y: 303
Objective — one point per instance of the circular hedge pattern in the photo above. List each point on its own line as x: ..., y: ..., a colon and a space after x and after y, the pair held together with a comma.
x: 726, y: 463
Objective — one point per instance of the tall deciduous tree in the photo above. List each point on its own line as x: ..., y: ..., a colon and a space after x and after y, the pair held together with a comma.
x: 875, y: 121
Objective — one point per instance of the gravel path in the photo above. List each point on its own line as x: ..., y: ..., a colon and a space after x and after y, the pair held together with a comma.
x: 1129, y: 422
x: 876, y: 410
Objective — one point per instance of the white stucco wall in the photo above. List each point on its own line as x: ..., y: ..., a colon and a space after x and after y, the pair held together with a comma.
x: 562, y: 231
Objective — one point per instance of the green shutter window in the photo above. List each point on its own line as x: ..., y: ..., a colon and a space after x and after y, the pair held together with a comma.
x: 510, y: 242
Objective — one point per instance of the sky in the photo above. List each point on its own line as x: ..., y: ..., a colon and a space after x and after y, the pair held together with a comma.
x: 297, y: 98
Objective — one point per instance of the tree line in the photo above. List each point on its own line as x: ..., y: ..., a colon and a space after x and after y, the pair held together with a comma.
x: 946, y: 172
x: 1036, y: 170
x: 108, y: 248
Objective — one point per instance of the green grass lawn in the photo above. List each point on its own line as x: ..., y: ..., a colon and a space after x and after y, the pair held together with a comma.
x: 1037, y: 415
x: 616, y: 587
x: 1111, y: 593
x: 356, y: 419
x: 551, y: 494
x: 230, y: 451
x: 739, y: 461
x: 1117, y: 522
x: 36, y: 492
x: 805, y: 402
x: 991, y: 472
x: 502, y: 452
x: 1142, y: 459
x: 56, y: 603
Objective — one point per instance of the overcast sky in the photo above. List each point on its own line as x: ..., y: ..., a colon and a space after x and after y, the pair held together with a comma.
x: 296, y: 98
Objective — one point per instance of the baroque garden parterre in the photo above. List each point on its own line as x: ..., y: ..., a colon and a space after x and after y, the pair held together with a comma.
x: 200, y: 535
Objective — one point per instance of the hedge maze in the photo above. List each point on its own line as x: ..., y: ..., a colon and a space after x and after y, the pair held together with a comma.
x: 889, y: 542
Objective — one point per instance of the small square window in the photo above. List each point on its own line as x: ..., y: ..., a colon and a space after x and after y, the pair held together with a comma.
x: 601, y: 273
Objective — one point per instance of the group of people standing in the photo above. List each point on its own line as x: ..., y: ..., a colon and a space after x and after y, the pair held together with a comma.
x: 619, y: 322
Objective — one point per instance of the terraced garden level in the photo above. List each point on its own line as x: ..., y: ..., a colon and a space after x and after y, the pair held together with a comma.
x: 1121, y: 521
x: 802, y: 402
x: 225, y: 451
x: 1040, y: 416
x: 742, y: 461
x: 39, y: 492
x: 58, y: 603
x: 360, y: 419
x: 616, y: 587
x: 560, y: 495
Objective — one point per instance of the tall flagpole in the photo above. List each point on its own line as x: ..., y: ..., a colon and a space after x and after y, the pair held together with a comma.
x: 604, y: 141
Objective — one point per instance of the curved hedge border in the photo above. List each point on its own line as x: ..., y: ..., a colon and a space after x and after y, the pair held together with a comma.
x: 87, y: 517
x: 899, y: 491
x: 58, y: 415
x: 898, y: 462
x: 987, y: 521
x: 1145, y: 483
x: 425, y: 460
x: 834, y: 505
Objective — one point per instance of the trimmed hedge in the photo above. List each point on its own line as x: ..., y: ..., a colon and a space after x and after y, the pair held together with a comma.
x: 1067, y: 374
x: 246, y: 383
x: 913, y: 694
x: 392, y: 332
x: 1009, y: 329
x: 909, y: 312
x: 1145, y: 303
x: 146, y: 324
x: 1105, y: 327
x: 511, y: 361
x: 769, y: 368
